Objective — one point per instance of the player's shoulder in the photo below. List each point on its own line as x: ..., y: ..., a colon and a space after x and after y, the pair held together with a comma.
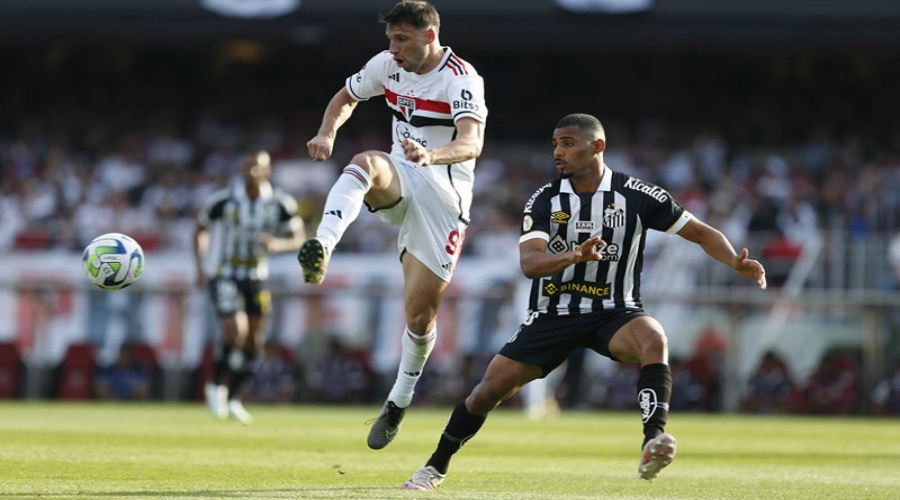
x: 284, y: 198
x: 454, y: 65
x: 547, y: 190
x: 631, y: 185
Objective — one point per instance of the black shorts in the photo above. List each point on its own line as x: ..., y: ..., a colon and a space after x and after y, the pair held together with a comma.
x: 230, y: 296
x: 547, y: 341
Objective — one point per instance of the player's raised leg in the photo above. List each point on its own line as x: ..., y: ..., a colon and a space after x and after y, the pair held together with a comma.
x: 342, y: 207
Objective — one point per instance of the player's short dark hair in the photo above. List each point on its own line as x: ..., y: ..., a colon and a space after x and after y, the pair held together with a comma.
x: 416, y: 13
x: 584, y: 122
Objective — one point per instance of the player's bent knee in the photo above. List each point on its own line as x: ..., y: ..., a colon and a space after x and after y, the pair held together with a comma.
x: 371, y: 161
x: 653, y: 346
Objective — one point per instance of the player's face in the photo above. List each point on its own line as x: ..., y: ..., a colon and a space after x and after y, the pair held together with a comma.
x: 256, y: 168
x: 408, y: 45
x: 574, y: 151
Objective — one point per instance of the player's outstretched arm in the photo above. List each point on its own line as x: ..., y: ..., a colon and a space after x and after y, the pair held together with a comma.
x: 467, y: 145
x: 291, y: 241
x: 717, y: 246
x: 338, y: 111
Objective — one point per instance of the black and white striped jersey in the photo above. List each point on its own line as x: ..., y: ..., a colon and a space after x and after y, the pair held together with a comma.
x: 621, y: 211
x: 234, y: 249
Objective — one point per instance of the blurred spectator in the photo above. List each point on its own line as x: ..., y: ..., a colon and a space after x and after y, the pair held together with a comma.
x: 274, y: 379
x: 126, y: 379
x: 338, y: 377
x: 621, y: 387
x: 688, y: 393
x: 705, y: 367
x: 769, y: 387
x: 886, y: 395
x: 780, y: 253
x: 832, y: 388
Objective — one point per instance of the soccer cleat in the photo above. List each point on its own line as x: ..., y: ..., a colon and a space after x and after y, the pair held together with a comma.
x: 314, y: 257
x: 658, y: 453
x: 425, y: 479
x: 385, y: 428
x: 236, y: 411
x: 216, y: 399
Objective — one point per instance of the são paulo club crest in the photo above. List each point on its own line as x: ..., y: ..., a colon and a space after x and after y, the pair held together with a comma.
x: 407, y: 106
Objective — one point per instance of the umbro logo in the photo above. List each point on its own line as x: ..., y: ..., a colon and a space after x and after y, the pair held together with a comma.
x: 336, y: 213
x: 395, y: 77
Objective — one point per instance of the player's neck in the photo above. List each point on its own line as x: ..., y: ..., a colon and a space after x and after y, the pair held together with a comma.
x: 589, y: 182
x: 434, y: 58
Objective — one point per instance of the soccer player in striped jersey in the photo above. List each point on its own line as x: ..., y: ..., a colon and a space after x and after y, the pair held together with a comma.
x: 254, y: 219
x: 582, y: 244
x: 424, y: 185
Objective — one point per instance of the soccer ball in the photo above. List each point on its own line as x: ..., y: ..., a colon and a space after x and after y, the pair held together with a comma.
x: 113, y: 261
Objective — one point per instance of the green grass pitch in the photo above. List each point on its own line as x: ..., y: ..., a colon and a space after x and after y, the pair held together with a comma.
x: 157, y: 451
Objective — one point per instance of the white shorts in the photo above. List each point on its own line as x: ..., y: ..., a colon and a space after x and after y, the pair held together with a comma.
x: 429, y: 217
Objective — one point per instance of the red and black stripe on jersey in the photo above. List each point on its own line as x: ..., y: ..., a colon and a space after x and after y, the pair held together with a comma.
x: 621, y: 215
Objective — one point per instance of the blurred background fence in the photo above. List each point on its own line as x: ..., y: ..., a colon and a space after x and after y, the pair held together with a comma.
x: 774, y: 121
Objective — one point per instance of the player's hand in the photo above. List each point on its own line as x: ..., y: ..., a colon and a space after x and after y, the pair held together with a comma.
x: 320, y: 147
x: 416, y: 153
x: 200, y: 279
x: 749, y: 268
x: 267, y: 243
x: 589, y: 250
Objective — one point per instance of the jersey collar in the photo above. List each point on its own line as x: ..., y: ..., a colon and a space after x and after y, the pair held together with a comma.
x: 605, y: 182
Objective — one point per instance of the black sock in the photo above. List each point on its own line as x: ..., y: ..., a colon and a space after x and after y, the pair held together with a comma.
x: 240, y: 371
x: 220, y: 364
x: 654, y: 391
x: 461, y: 427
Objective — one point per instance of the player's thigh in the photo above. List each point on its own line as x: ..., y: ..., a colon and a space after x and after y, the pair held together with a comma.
x: 256, y: 296
x: 546, y: 341
x: 432, y: 229
x: 385, y: 188
x: 423, y: 292
x: 633, y: 339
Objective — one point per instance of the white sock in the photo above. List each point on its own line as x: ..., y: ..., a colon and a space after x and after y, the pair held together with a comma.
x: 343, y: 204
x: 416, y: 349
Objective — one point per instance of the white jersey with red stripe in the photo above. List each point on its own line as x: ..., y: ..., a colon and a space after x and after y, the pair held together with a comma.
x: 427, y: 107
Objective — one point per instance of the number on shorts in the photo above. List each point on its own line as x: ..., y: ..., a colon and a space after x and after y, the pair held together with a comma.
x: 454, y: 242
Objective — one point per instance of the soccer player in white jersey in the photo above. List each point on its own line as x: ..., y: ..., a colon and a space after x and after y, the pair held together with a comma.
x: 254, y: 219
x: 582, y: 245
x: 424, y: 185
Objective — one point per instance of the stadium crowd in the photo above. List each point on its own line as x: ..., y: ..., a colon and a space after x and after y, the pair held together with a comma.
x: 91, y: 146
x: 789, y: 148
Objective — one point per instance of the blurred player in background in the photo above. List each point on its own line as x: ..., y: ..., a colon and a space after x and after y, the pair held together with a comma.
x: 424, y: 185
x: 582, y: 245
x: 251, y: 214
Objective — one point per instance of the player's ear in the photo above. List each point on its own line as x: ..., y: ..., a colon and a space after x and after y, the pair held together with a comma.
x: 599, y: 145
x: 431, y: 35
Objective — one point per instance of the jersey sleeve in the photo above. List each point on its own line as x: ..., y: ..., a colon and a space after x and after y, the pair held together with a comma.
x: 287, y: 212
x: 665, y: 213
x: 466, y: 96
x: 214, y: 208
x: 536, y: 217
x: 368, y: 81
